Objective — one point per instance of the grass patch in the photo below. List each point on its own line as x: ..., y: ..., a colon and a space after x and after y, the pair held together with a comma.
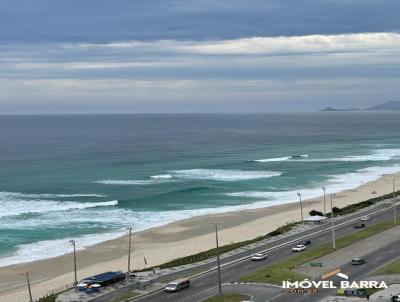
x: 227, y: 298
x: 125, y: 296
x: 51, y: 298
x: 282, y: 270
x: 392, y: 268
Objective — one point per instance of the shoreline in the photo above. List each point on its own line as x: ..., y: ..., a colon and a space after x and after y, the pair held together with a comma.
x: 173, y: 240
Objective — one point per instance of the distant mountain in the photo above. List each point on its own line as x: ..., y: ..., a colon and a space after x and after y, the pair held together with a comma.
x: 336, y: 109
x: 392, y: 105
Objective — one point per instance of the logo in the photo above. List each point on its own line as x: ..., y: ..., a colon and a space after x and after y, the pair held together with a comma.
x: 327, y: 284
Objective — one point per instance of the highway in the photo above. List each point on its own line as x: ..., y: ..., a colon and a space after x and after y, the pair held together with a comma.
x: 374, y: 260
x: 205, y: 285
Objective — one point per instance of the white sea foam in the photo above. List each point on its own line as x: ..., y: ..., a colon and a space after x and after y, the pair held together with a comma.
x: 223, y: 175
x: 163, y: 176
x: 377, y: 155
x: 117, y: 219
x: 335, y: 183
x: 129, y: 182
x: 14, y: 207
x: 284, y: 158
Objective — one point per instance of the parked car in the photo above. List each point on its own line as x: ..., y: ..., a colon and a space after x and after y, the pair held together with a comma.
x: 365, y: 218
x: 359, y: 226
x: 259, y: 256
x: 358, y: 261
x: 298, y: 248
x: 177, y: 285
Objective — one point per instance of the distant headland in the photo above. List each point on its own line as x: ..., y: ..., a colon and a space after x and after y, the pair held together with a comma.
x: 392, y: 105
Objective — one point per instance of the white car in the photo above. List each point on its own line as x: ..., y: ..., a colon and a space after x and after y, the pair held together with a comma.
x: 259, y: 256
x: 298, y: 248
x: 365, y: 218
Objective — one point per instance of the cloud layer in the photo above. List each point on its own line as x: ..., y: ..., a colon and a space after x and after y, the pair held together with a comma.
x: 191, y: 56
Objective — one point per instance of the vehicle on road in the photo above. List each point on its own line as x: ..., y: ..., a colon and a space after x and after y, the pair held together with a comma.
x: 396, y: 298
x: 259, y: 257
x: 365, y: 218
x: 358, y: 261
x: 306, y: 242
x: 359, y: 226
x: 298, y: 248
x: 177, y: 285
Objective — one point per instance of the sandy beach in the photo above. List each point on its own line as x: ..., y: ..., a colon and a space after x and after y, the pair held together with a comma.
x: 168, y: 242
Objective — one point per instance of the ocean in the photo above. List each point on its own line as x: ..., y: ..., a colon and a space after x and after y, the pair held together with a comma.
x: 88, y: 177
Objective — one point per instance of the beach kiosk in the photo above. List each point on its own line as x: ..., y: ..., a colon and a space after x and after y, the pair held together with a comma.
x: 105, y: 279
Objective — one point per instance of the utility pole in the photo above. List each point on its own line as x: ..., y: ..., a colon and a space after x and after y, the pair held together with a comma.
x: 129, y: 249
x: 301, y: 208
x: 73, y: 243
x: 394, y: 201
x: 323, y: 188
x: 218, y: 260
x: 333, y: 226
x: 29, y: 287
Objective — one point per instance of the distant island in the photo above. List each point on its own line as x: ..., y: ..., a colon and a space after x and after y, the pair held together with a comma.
x: 391, y: 105
x: 336, y: 109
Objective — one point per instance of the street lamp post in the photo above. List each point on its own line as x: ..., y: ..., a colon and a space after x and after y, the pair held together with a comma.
x: 333, y: 226
x: 218, y: 260
x: 129, y: 249
x: 323, y: 188
x: 73, y: 243
x: 301, y: 207
x: 29, y: 286
x: 394, y: 201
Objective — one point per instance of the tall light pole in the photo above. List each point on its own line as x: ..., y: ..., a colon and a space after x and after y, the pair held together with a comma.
x: 323, y: 188
x: 301, y: 208
x: 73, y: 243
x: 129, y: 249
x: 218, y: 261
x: 333, y: 226
x: 29, y: 286
x: 394, y: 201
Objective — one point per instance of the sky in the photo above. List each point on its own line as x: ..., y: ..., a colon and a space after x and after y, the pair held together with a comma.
x: 165, y: 56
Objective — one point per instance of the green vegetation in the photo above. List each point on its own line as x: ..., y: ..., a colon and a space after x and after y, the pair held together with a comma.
x: 282, y: 270
x: 223, y: 249
x: 392, y: 268
x: 125, y: 296
x: 227, y: 298
x: 51, y: 298
x: 358, y: 206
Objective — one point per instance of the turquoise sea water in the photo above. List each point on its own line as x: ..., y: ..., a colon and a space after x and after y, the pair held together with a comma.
x: 89, y: 177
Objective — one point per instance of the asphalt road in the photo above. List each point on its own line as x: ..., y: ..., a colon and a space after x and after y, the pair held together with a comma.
x: 205, y: 285
x: 374, y: 260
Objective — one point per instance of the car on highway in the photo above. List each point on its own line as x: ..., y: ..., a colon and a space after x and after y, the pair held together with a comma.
x: 298, y: 248
x: 365, y: 218
x: 177, y: 285
x: 359, y: 226
x: 259, y: 257
x: 358, y: 261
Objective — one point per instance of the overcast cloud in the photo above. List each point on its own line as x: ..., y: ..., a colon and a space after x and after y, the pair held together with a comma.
x: 197, y: 56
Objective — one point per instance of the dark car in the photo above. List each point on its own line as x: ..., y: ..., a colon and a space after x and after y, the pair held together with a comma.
x: 306, y: 242
x: 359, y: 226
x: 358, y: 261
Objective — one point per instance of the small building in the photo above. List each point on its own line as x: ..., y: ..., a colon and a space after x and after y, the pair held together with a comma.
x: 315, y: 219
x: 105, y: 278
